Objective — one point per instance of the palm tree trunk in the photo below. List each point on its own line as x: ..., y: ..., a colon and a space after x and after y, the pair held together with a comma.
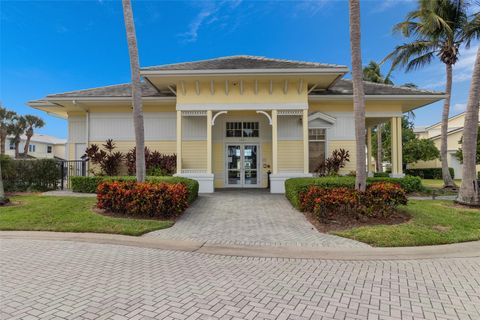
x: 2, y: 190
x: 447, y: 178
x: 27, y: 143
x: 469, y: 189
x: 379, y: 149
x: 17, y: 147
x: 358, y: 94
x: 3, y: 140
x: 136, y: 91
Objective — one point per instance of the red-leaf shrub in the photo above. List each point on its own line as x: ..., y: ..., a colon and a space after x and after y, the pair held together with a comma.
x: 143, y: 199
x: 379, y: 200
x: 156, y: 163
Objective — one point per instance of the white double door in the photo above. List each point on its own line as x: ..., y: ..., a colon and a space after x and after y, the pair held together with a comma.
x: 242, y: 165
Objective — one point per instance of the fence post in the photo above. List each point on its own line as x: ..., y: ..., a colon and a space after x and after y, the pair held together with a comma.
x: 62, y: 174
x: 84, y: 167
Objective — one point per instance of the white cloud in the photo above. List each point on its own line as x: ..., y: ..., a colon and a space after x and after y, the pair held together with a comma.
x: 381, y: 6
x: 460, y: 107
x: 311, y: 7
x: 209, y: 14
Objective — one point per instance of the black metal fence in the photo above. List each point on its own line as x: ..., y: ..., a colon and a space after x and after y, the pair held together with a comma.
x: 71, y: 168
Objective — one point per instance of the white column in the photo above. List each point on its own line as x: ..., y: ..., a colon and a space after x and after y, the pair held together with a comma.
x: 179, y: 142
x: 274, y: 142
x: 369, y: 152
x: 397, y: 158
x: 305, y: 141
x: 209, y: 141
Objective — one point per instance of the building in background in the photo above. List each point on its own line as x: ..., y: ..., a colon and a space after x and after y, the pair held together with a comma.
x: 41, y: 147
x: 455, y: 133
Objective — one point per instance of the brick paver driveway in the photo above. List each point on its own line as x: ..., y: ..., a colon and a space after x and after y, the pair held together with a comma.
x: 248, y: 217
x: 70, y: 280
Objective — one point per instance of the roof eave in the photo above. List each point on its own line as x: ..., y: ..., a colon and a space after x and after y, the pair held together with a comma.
x: 324, y: 97
x: 236, y: 72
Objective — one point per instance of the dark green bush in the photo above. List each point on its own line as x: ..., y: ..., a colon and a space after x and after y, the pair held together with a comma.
x: 428, y: 173
x: 381, y: 174
x: 29, y: 175
x: 90, y: 184
x: 294, y: 186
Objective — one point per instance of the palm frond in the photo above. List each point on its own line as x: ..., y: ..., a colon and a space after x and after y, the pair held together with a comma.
x: 420, y: 61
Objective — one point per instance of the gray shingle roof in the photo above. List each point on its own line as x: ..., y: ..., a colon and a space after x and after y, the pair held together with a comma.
x: 345, y: 87
x: 242, y: 62
x: 118, y: 90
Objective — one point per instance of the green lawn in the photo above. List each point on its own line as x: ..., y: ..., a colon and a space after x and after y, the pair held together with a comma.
x: 437, y: 183
x: 69, y: 214
x: 432, y: 223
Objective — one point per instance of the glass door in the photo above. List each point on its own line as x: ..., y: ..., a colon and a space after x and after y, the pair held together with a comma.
x: 250, y: 165
x: 242, y: 165
x: 234, y: 165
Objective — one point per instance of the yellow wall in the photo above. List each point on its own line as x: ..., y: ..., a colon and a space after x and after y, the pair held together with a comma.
x: 350, y: 147
x: 234, y: 95
x: 347, y: 106
x: 266, y: 154
x: 194, y: 154
x: 290, y: 155
x: 218, y: 164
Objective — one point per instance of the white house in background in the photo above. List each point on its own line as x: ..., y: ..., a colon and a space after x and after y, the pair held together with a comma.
x: 41, y: 146
x: 455, y: 133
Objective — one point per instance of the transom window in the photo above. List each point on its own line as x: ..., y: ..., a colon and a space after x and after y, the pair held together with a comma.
x: 242, y: 129
x: 316, y: 148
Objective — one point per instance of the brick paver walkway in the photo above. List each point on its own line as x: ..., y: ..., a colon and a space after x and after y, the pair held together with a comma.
x: 249, y: 217
x: 69, y: 280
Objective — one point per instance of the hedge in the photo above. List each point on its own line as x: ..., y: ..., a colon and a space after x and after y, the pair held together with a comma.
x: 90, y: 184
x: 428, y: 173
x: 29, y: 175
x: 294, y: 186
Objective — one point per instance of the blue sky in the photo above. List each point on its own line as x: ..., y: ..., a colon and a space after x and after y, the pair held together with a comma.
x: 52, y: 47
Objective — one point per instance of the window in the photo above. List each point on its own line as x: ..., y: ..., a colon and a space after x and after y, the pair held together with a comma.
x: 316, y: 148
x: 49, y: 149
x: 31, y: 148
x: 12, y: 145
x: 242, y: 129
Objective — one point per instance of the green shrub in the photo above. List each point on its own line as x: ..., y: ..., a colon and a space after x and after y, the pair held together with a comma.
x: 29, y: 175
x: 381, y: 174
x: 90, y: 184
x: 428, y: 173
x: 294, y: 186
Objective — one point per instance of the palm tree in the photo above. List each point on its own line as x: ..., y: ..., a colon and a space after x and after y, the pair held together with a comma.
x: 17, y: 128
x: 32, y: 122
x: 468, y: 192
x: 3, y: 199
x: 6, y: 117
x: 358, y: 94
x: 136, y: 91
x: 373, y: 73
x: 437, y: 28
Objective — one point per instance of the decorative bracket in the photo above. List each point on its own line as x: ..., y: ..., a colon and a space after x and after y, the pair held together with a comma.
x: 266, y: 115
x: 216, y: 115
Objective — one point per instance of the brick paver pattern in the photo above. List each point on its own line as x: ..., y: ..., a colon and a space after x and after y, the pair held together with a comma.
x: 249, y: 218
x: 68, y: 280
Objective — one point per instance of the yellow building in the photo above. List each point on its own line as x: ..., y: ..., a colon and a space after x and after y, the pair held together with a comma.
x: 232, y: 120
x: 454, y: 135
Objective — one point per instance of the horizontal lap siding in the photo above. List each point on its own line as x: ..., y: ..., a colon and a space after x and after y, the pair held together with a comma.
x: 348, y: 145
x: 290, y: 156
x: 194, y: 155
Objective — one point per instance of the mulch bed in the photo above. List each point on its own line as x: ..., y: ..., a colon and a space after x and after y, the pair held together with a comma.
x: 124, y: 216
x: 344, y: 222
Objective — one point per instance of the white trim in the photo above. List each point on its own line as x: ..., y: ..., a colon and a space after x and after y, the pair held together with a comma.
x: 242, y: 170
x: 290, y: 113
x: 108, y: 99
x: 266, y: 115
x: 300, y: 86
x: 217, y: 114
x: 383, y: 114
x: 209, y: 72
x: 200, y: 113
x: 322, y: 116
x: 242, y: 106
x: 375, y: 97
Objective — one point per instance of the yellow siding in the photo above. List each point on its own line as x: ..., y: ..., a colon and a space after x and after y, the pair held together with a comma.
x: 347, y: 106
x: 166, y: 147
x: 218, y: 164
x: 347, y: 145
x: 71, y: 151
x: 266, y: 158
x: 194, y: 154
x: 290, y: 155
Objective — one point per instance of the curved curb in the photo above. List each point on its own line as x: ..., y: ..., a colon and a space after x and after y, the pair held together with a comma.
x: 458, y: 250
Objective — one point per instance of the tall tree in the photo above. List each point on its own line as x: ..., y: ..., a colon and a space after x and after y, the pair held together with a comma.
x: 136, y: 91
x: 436, y: 28
x: 358, y: 94
x: 32, y: 122
x: 6, y: 117
x: 3, y: 199
x: 17, y: 128
x: 469, y: 188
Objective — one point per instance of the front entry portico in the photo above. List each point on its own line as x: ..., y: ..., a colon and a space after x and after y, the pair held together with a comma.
x: 242, y: 169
